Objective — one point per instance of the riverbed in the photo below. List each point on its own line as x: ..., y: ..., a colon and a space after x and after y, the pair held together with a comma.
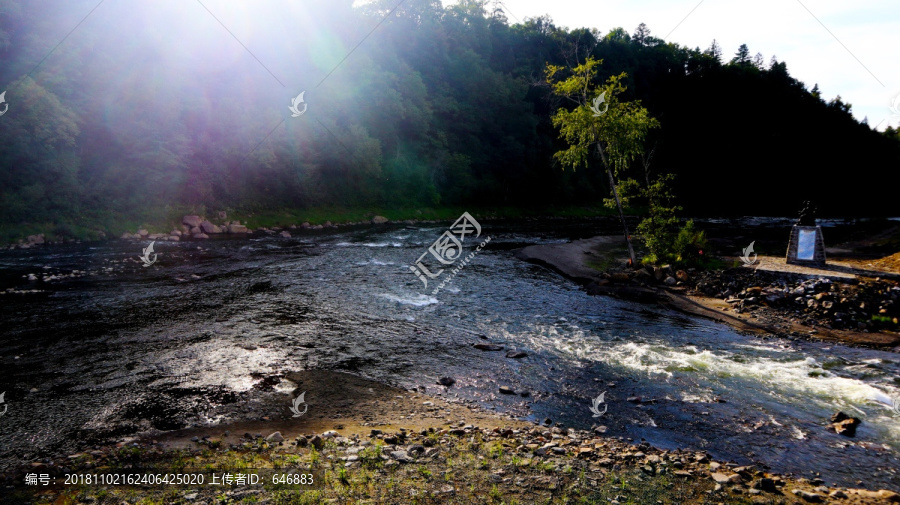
x: 106, y: 348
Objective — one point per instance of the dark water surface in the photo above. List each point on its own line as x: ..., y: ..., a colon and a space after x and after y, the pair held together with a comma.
x: 193, y: 340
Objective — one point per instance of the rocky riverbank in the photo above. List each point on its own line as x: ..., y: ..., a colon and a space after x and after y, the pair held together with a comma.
x: 859, y: 311
x: 382, y: 444
x: 197, y: 227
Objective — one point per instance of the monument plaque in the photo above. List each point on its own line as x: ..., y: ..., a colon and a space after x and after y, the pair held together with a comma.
x: 806, y: 246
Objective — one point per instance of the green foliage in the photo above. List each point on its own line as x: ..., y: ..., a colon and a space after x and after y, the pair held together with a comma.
x: 618, y: 133
x: 440, y: 109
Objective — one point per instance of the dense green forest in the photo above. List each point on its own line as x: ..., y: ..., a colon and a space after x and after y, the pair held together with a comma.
x: 437, y: 106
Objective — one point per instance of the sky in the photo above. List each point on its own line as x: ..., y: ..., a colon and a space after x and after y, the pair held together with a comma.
x: 850, y: 48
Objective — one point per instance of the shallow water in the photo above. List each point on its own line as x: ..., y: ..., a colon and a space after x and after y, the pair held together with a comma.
x: 193, y: 338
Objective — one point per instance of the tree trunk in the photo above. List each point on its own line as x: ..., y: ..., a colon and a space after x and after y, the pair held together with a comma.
x: 615, y: 192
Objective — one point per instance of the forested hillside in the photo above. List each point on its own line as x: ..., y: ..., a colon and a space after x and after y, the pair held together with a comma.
x: 438, y: 106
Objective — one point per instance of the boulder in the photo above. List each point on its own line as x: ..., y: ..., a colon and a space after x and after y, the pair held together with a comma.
x: 489, y: 347
x: 143, y: 233
x: 808, y: 496
x: 177, y: 233
x: 765, y: 484
x: 191, y: 221
x: 126, y: 235
x: 670, y: 281
x: 380, y: 220
x: 238, y: 228
x: 196, y: 230
x: 847, y: 427
x: 201, y: 235
x: 275, y: 437
x: 36, y: 239
x: 286, y: 234
x: 619, y: 277
x: 446, y: 381
x: 722, y: 478
x: 516, y: 354
x: 210, y: 228
x: 174, y: 238
x: 401, y: 456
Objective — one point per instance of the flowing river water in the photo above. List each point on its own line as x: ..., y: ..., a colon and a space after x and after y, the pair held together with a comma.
x: 117, y: 348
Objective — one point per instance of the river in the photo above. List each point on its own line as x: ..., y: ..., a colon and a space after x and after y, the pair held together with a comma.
x: 118, y: 348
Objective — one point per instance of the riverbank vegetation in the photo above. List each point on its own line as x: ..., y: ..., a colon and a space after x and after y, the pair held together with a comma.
x: 444, y: 465
x: 441, y: 107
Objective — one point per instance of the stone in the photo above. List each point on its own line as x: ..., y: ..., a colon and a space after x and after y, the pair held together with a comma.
x: 619, y: 277
x: 807, y: 495
x: 317, y: 442
x: 846, y: 427
x: 516, y: 354
x: 681, y: 275
x: 380, y: 220
x: 286, y: 234
x: 238, y: 228
x: 720, y: 477
x: 670, y: 281
x: 275, y: 437
x: 765, y: 484
x: 488, y: 347
x: 201, y: 235
x: 883, y: 495
x: 838, y: 417
x: 143, y: 233
x: 210, y: 228
x: 177, y: 233
x: 506, y: 390
x: 192, y: 221
x: 446, y: 381
x: 401, y: 456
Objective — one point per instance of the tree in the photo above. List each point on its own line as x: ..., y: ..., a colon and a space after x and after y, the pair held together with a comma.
x: 715, y: 50
x: 600, y: 121
x: 641, y: 35
x: 815, y: 92
x: 742, y: 57
x: 759, y: 61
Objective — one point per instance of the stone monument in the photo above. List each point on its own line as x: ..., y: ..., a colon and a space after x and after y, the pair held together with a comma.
x: 806, y: 247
